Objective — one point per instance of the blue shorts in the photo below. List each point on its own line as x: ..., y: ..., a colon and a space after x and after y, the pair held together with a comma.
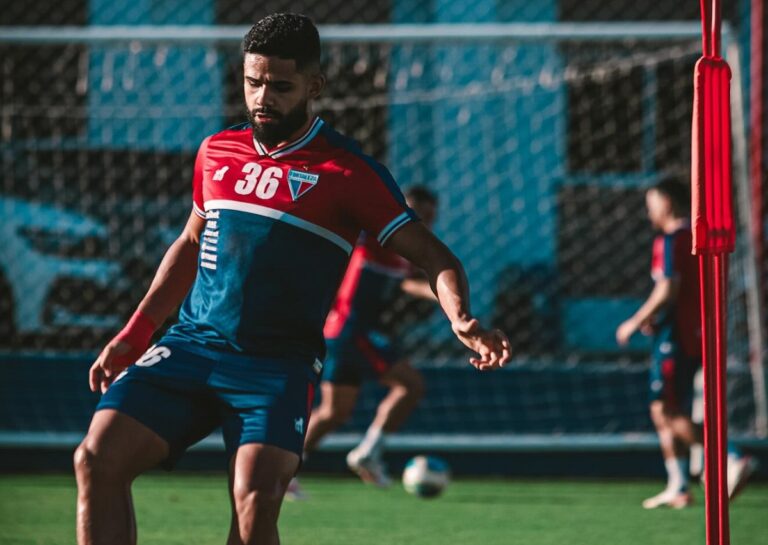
x: 184, y: 393
x: 355, y: 356
x: 672, y: 372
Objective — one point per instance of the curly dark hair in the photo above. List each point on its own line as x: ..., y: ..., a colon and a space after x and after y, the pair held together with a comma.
x: 285, y: 35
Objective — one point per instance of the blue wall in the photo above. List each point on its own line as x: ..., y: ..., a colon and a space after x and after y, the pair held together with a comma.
x: 153, y: 97
x: 493, y: 158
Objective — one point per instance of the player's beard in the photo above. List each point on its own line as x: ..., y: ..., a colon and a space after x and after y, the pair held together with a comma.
x: 271, y: 134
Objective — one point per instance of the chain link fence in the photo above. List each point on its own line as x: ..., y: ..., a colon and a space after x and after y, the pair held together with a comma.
x: 539, y: 151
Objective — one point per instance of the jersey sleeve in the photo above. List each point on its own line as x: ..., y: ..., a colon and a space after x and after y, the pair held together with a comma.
x: 377, y: 204
x: 198, y: 202
x: 665, y: 260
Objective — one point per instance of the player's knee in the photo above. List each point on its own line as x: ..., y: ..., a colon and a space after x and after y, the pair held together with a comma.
x: 261, y: 504
x: 92, y: 465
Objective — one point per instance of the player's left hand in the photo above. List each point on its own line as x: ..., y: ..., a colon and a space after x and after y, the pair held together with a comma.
x: 491, y: 345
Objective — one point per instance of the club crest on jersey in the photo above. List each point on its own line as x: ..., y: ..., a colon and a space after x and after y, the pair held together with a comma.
x: 300, y: 182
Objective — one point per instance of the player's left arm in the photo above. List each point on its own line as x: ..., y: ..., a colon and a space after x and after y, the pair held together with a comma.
x: 418, y: 287
x: 668, y: 253
x: 448, y: 281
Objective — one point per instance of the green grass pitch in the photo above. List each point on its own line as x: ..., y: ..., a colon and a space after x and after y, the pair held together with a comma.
x: 193, y: 509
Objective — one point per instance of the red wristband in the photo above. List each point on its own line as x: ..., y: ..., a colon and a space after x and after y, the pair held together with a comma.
x: 138, y: 331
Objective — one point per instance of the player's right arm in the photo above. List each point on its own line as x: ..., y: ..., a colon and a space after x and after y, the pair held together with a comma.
x: 173, y: 279
x: 664, y: 271
x: 663, y: 293
x: 172, y: 282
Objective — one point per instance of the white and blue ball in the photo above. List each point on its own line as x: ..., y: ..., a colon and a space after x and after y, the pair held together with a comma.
x: 426, y: 476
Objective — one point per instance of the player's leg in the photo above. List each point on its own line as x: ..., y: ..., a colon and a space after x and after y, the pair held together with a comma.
x: 697, y: 417
x: 336, y: 405
x: 739, y: 465
x: 381, y: 360
x: 671, y: 386
x: 115, y: 451
x: 406, y: 388
x: 670, y: 448
x: 148, y: 416
x: 259, y: 475
x: 234, y: 530
x: 675, y: 455
x: 339, y: 390
x: 684, y: 429
x: 265, y: 405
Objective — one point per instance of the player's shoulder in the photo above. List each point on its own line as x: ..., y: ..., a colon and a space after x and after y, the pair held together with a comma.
x: 231, y: 141
x: 682, y: 236
x: 684, y: 231
x: 349, y: 155
x: 235, y: 132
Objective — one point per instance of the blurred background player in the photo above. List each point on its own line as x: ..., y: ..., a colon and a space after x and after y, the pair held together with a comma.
x: 361, y: 347
x: 671, y: 315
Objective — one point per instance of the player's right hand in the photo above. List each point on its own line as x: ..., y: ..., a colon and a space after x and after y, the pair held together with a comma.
x: 116, y: 356
x: 625, y: 331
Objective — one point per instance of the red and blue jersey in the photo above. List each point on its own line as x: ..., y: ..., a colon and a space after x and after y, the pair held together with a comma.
x: 370, y: 284
x: 280, y: 227
x: 672, y: 259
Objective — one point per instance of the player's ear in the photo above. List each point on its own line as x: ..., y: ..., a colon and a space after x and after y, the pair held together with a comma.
x: 316, y: 84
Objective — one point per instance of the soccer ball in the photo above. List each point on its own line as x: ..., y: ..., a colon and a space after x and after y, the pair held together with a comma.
x: 426, y: 476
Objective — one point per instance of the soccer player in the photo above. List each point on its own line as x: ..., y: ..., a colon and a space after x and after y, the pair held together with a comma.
x: 671, y: 314
x: 359, y: 348
x: 278, y: 204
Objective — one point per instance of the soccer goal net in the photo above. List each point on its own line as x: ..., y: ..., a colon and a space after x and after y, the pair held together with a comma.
x: 538, y: 139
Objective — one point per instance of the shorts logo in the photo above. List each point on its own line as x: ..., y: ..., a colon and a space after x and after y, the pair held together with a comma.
x: 153, y: 355
x: 665, y: 348
x: 298, y: 423
x: 300, y: 182
x: 317, y: 367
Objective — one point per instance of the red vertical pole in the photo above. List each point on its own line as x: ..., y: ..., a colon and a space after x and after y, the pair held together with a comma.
x: 713, y: 270
x: 706, y: 273
x: 714, y: 238
x: 721, y: 409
